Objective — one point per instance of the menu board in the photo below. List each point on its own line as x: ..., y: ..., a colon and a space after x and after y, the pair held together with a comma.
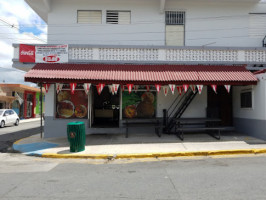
x: 72, y: 105
x: 139, y: 104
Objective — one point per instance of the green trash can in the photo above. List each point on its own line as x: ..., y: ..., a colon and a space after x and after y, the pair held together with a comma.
x: 76, y: 136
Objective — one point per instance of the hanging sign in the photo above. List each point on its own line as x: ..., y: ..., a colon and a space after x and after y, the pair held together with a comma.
x: 43, y: 54
x: 214, y: 87
x: 51, y: 54
x: 227, y: 87
x: 100, y: 87
x: 148, y: 88
x: 158, y: 87
x: 165, y: 90
x: 129, y: 86
x: 193, y: 88
x: 185, y: 87
x: 172, y: 88
x: 86, y: 87
x: 200, y: 88
x: 72, y: 87
x: 58, y: 87
x: 115, y: 88
x: 179, y: 89
x: 46, y: 86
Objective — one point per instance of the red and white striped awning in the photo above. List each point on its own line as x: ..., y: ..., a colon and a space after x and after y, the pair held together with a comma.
x: 140, y: 74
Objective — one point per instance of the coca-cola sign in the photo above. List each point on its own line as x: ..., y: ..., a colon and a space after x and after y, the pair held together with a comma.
x: 26, y: 53
x: 43, y: 54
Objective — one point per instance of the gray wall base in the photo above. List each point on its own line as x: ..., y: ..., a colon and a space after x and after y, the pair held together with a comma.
x: 252, y: 127
x: 58, y: 128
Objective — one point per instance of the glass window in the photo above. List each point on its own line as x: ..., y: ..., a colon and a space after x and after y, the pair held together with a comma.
x: 246, y: 99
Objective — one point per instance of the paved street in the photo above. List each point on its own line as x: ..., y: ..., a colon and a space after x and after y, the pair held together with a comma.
x: 10, y: 134
x: 202, y: 178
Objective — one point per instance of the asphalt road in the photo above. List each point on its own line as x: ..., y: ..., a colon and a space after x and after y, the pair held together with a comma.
x: 10, y: 134
x: 206, y: 178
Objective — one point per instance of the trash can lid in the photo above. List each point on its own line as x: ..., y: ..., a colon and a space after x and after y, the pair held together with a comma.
x: 75, y: 123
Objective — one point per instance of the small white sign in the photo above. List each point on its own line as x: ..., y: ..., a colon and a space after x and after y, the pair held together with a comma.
x: 51, y: 54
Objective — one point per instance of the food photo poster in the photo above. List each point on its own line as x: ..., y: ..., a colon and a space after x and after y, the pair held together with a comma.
x: 71, y: 105
x: 139, y: 104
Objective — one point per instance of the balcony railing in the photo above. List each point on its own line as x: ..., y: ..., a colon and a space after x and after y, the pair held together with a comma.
x: 152, y: 54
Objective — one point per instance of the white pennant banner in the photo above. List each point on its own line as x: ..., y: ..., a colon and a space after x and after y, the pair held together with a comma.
x: 227, y: 87
x: 58, y: 87
x: 200, y: 87
x: 86, y: 87
x: 115, y: 88
x: 110, y: 88
x: 136, y: 87
x: 165, y: 90
x: 193, y: 88
x: 185, y: 87
x: 158, y: 87
x: 172, y: 88
x: 214, y: 87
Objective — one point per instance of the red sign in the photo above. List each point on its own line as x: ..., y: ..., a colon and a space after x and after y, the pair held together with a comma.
x: 51, y: 59
x: 26, y: 53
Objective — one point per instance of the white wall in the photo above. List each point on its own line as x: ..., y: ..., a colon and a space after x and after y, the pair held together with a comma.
x: 50, y: 102
x: 258, y: 110
x: 147, y: 23
x: 197, y: 108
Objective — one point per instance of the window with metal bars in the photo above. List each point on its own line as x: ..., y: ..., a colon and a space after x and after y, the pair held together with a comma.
x: 174, y: 17
x: 118, y: 17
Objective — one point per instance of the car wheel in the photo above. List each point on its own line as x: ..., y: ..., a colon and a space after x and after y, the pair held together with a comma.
x: 17, y: 122
x: 2, y: 124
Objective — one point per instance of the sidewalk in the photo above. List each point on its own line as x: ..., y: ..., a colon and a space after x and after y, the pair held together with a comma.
x: 142, y: 146
x: 29, y: 120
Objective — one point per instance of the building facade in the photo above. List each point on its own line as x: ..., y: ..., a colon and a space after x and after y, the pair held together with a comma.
x: 201, y: 49
x: 23, y: 99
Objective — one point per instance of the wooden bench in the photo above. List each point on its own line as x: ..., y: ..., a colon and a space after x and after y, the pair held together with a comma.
x: 208, y: 125
x: 142, y: 123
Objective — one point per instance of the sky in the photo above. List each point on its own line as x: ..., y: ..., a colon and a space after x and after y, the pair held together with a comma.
x: 18, y: 24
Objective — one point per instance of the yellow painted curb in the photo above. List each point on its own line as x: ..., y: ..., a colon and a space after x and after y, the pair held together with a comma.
x: 18, y: 141
x: 156, y: 155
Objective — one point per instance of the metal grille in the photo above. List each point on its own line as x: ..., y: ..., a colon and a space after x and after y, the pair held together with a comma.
x: 174, y: 17
x: 117, y: 17
x: 112, y: 17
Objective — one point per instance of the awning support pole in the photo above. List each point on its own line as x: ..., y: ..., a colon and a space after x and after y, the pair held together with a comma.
x: 41, y: 113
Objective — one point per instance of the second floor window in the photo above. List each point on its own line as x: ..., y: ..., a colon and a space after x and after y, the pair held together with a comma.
x: 175, y: 28
x: 118, y: 17
x: 89, y: 17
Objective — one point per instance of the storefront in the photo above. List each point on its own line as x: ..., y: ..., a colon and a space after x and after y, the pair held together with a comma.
x: 104, y: 95
x: 23, y: 99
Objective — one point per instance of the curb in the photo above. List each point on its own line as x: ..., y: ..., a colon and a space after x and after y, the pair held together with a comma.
x: 155, y: 155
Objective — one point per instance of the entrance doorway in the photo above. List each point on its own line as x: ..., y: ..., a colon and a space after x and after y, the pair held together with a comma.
x: 219, y: 105
x: 105, y: 108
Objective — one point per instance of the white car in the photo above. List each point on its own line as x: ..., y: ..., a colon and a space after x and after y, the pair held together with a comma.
x: 8, y: 117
